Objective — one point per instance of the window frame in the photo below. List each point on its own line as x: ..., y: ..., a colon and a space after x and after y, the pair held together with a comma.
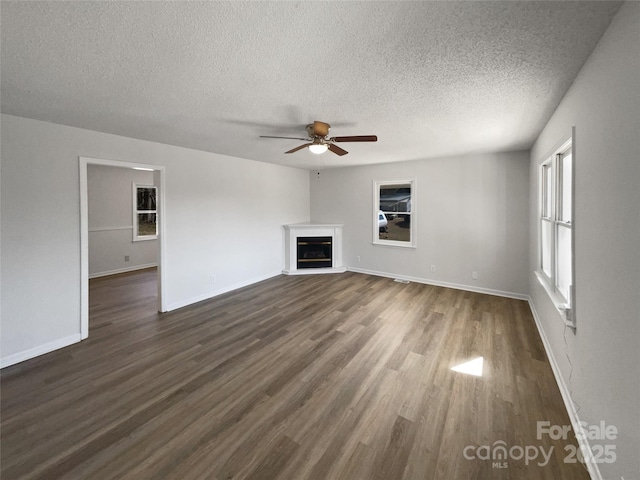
x: 377, y: 184
x: 550, y: 211
x: 136, y: 212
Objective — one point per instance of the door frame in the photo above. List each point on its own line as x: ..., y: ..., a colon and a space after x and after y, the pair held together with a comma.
x: 159, y: 181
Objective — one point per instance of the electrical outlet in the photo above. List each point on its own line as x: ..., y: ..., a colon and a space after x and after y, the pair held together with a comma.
x: 433, y: 268
x: 358, y: 258
x: 126, y: 258
x: 213, y: 279
x: 474, y: 275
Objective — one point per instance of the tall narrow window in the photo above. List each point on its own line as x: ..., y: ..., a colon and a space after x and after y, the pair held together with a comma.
x: 556, y: 229
x: 145, y: 225
x: 394, y: 213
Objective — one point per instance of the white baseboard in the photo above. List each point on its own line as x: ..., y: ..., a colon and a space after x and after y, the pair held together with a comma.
x: 215, y: 293
x: 39, y: 350
x: 576, y: 425
x: 122, y: 270
x: 457, y: 286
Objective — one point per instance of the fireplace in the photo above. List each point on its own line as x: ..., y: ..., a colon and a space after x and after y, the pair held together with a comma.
x: 312, y: 248
x: 314, y: 252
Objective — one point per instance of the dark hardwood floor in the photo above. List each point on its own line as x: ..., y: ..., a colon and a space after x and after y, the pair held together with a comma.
x: 343, y: 376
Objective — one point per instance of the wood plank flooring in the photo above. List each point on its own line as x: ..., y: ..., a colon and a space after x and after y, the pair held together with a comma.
x: 319, y: 377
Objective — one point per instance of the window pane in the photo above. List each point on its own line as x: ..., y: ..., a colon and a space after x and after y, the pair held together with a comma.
x: 394, y: 217
x: 146, y: 198
x: 146, y: 224
x: 546, y: 232
x: 395, y: 198
x: 395, y: 227
x: 563, y: 261
x: 565, y: 207
x: 547, y: 188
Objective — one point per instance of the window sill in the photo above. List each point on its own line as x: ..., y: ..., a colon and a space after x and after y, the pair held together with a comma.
x: 394, y: 245
x: 145, y: 239
x: 563, y: 308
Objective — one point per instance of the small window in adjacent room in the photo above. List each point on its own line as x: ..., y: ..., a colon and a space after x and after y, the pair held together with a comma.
x: 145, y: 225
x: 394, y: 213
x: 556, y: 228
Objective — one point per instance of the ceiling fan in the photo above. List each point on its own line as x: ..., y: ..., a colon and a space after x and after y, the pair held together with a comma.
x: 319, y: 140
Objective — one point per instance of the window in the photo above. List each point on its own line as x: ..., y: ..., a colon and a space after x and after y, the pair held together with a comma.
x: 556, y: 229
x: 394, y: 221
x: 145, y: 226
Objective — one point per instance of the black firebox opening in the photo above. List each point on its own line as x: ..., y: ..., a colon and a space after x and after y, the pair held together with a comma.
x: 314, y: 252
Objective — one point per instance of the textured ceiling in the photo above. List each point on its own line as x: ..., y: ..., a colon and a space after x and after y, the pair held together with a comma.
x: 429, y: 78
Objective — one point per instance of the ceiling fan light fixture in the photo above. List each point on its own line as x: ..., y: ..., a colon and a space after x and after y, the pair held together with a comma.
x: 319, y: 140
x: 318, y: 148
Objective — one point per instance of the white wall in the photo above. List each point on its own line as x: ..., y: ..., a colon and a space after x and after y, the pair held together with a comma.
x: 217, y: 208
x: 472, y: 215
x: 110, y: 207
x: 604, y: 105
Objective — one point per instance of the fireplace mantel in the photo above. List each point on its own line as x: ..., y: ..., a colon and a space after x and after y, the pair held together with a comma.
x: 295, y: 230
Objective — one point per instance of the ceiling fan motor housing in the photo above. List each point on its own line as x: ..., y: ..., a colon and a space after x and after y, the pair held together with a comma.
x: 318, y: 129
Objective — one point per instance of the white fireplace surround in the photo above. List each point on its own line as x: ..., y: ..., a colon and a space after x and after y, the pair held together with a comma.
x: 295, y: 230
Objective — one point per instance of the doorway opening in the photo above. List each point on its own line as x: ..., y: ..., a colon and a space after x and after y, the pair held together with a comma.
x: 112, y: 233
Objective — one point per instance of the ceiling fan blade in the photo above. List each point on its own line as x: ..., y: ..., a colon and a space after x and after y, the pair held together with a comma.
x: 337, y: 150
x: 321, y: 129
x: 293, y: 150
x: 356, y: 138
x: 288, y: 138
